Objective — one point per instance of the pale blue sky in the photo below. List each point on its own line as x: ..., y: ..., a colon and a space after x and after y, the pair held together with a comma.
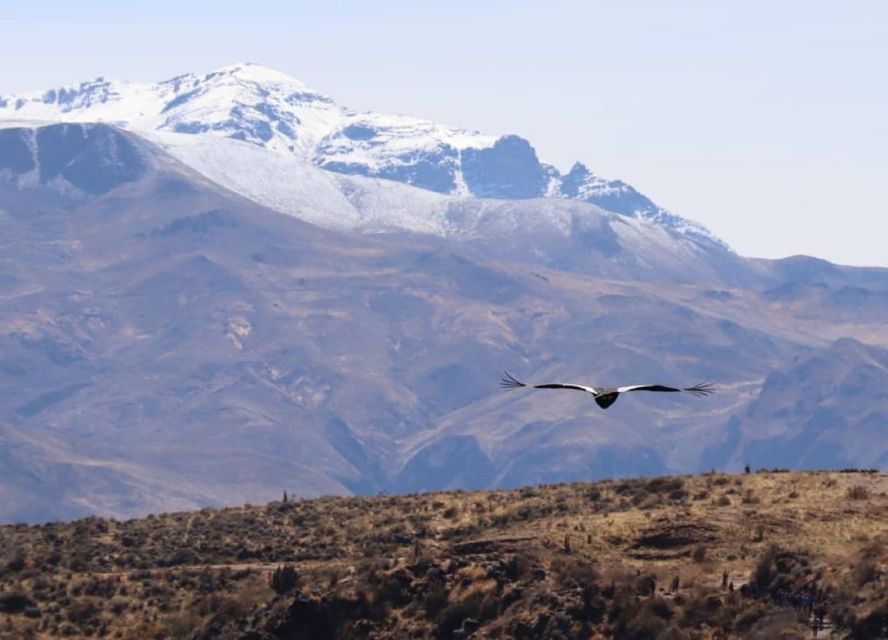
x: 764, y: 120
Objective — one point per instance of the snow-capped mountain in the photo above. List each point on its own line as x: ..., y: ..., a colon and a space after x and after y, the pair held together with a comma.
x: 89, y: 159
x: 272, y: 110
x: 248, y: 102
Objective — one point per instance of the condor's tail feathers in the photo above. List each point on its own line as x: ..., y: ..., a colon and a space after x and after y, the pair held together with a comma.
x: 508, y: 381
x: 702, y: 389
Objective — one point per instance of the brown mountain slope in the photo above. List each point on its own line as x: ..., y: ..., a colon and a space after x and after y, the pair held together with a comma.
x: 714, y: 556
x: 168, y: 345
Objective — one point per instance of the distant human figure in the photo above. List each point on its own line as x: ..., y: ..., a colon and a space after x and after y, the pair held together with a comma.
x: 731, y: 586
x: 725, y: 580
x: 675, y: 584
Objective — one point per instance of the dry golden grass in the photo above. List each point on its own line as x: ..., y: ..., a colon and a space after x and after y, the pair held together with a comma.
x: 571, y: 560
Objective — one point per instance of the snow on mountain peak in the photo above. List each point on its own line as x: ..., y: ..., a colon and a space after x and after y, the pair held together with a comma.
x: 249, y: 80
x: 270, y: 109
x: 93, y: 95
x: 250, y: 71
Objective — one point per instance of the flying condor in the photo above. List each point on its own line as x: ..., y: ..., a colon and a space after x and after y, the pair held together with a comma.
x: 606, y: 397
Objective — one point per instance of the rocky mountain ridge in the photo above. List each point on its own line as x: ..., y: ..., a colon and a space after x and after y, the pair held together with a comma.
x: 269, y: 109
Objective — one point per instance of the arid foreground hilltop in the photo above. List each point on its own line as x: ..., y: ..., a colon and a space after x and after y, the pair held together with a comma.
x: 752, y: 556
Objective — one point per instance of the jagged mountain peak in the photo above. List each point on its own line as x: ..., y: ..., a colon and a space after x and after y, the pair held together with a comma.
x: 244, y: 80
x: 65, y: 99
x: 102, y: 89
x: 270, y: 109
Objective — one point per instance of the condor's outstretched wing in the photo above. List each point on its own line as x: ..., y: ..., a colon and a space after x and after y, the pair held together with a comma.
x: 510, y: 382
x: 702, y: 389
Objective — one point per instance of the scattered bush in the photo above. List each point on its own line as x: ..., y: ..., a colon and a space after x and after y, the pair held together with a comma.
x: 759, y: 533
x: 16, y: 563
x: 15, y: 602
x: 429, y: 576
x: 664, y: 485
x: 858, y: 492
x: 455, y: 614
x: 284, y: 579
x: 435, y: 600
x: 570, y: 572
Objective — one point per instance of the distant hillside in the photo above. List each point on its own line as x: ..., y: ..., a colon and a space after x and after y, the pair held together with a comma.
x: 170, y: 344
x: 761, y: 555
